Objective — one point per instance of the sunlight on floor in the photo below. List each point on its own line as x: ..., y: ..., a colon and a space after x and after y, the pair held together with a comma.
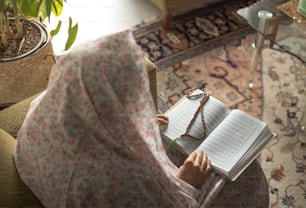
x: 101, y: 17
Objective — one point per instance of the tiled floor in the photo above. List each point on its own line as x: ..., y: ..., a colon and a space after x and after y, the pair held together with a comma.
x: 100, y: 17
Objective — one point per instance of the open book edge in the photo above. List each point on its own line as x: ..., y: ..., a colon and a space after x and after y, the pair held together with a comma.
x: 235, y: 141
x: 245, y: 161
x: 252, y: 151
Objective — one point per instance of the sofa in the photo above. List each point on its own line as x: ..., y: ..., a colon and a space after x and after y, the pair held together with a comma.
x: 13, y: 192
x: 172, y: 7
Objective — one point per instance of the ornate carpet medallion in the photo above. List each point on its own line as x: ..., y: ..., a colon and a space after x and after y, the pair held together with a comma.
x: 210, y: 49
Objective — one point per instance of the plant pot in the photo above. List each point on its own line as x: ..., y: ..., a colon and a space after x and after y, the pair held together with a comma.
x: 26, y: 74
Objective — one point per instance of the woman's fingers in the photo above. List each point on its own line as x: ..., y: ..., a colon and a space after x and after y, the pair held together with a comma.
x: 199, y: 158
x: 161, y: 118
x: 195, y: 169
x: 208, y: 167
x: 204, y: 162
x: 191, y: 157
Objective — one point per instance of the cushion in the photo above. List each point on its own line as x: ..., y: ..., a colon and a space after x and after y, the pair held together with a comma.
x: 11, y: 118
x: 13, y: 192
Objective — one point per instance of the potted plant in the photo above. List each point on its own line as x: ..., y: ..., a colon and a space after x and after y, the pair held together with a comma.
x: 26, y: 54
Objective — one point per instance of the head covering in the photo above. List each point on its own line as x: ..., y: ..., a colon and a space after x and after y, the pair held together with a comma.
x: 91, y: 139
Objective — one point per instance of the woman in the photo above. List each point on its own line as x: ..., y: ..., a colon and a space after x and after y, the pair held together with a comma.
x: 91, y: 139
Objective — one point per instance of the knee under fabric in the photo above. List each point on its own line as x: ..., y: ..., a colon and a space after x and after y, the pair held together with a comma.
x: 13, y: 192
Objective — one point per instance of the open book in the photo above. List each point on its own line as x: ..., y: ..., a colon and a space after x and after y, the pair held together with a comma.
x: 233, y: 138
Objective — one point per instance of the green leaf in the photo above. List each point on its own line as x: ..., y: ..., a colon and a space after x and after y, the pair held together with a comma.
x: 72, y: 34
x: 57, y: 29
x: 29, y: 8
x: 47, y: 6
x: 171, y: 146
x: 40, y: 8
x: 2, y: 10
x: 57, y: 7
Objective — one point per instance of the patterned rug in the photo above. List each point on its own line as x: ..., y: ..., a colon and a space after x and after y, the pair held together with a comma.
x: 284, y: 159
x: 217, y: 62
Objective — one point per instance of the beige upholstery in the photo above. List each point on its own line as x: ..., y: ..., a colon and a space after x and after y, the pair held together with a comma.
x: 11, y: 118
x: 13, y: 192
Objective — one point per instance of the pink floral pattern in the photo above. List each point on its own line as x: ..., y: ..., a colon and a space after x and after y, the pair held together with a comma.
x: 91, y: 139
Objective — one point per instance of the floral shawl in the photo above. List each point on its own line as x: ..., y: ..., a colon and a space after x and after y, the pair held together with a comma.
x: 91, y: 139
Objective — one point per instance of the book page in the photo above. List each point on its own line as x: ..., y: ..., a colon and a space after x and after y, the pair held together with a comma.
x: 252, y: 154
x: 182, y: 113
x: 231, y: 139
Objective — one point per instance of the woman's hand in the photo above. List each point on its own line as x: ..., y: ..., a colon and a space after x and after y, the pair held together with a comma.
x: 162, y: 119
x: 195, y: 169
